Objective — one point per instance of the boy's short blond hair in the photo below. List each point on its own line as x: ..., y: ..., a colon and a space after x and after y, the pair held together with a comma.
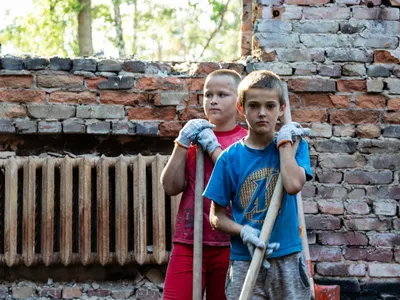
x: 236, y: 78
x: 262, y: 79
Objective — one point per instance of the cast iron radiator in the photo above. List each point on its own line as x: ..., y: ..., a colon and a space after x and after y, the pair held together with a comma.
x: 89, y: 210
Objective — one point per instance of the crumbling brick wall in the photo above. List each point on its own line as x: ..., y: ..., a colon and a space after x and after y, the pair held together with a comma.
x: 341, y: 62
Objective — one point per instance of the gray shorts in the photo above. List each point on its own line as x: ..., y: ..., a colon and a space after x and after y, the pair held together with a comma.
x: 287, y: 278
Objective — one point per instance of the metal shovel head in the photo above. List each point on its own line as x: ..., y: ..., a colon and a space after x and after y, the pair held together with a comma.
x: 327, y: 292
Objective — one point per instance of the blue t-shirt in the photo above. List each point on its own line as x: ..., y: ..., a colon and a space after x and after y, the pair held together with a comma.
x: 248, y: 178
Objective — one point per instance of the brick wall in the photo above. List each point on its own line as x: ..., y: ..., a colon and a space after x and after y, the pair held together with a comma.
x: 341, y: 61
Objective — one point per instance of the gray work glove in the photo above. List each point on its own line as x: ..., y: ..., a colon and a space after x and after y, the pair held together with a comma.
x: 208, y: 140
x: 250, y: 237
x: 289, y: 133
x: 190, y: 131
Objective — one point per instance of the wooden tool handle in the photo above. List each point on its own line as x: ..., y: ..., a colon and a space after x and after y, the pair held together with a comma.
x: 198, y: 226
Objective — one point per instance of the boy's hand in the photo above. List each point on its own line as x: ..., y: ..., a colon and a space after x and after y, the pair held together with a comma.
x: 289, y: 132
x: 208, y: 140
x: 250, y: 237
x: 190, y: 131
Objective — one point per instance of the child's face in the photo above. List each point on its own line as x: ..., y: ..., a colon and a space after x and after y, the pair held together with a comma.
x: 220, y: 100
x: 262, y: 110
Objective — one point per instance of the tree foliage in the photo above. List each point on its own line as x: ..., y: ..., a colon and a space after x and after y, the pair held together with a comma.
x: 144, y: 29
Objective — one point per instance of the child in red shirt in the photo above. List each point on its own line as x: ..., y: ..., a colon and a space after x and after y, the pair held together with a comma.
x: 220, y: 96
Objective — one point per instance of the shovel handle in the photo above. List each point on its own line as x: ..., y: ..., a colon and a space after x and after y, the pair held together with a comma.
x: 198, y: 226
x: 269, y: 221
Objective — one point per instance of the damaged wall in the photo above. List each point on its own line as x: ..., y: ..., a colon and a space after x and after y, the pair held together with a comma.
x: 341, y: 61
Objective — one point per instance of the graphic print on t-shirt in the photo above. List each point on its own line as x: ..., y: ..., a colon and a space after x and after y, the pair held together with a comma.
x: 256, y: 193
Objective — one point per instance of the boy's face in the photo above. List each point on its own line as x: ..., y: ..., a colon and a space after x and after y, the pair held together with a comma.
x: 262, y: 110
x: 220, y: 100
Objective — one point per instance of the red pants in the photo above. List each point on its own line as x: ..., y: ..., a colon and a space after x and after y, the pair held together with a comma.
x: 179, y: 280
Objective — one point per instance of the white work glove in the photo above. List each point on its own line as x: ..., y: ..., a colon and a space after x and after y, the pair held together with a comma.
x: 208, y: 141
x: 250, y: 237
x: 189, y: 132
x: 289, y: 133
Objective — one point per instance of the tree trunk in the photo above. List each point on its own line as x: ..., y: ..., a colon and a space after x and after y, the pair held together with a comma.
x: 135, y: 27
x: 85, y: 29
x: 118, y: 29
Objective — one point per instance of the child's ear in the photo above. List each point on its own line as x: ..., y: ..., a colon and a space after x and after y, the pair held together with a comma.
x: 282, y: 110
x: 240, y: 108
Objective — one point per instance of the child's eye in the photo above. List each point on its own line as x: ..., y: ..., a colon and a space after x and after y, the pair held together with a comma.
x: 222, y: 95
x: 271, y: 106
x: 208, y: 96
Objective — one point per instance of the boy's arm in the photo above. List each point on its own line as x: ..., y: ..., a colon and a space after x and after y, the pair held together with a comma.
x: 215, y: 154
x: 173, y: 175
x: 293, y: 176
x: 220, y: 221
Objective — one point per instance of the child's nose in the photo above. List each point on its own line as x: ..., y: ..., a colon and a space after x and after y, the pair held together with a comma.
x: 214, y: 99
x: 262, y: 111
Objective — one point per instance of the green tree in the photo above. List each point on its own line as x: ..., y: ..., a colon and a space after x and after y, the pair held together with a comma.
x: 145, y: 29
x: 46, y: 30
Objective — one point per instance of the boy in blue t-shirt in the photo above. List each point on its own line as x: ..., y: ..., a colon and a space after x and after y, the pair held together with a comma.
x: 245, y: 176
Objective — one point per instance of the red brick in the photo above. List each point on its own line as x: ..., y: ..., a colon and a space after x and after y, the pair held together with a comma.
x: 316, y: 115
x: 23, y: 292
x: 204, y: 68
x: 397, y: 255
x: 368, y: 254
x: 368, y: 131
x: 22, y: 96
x: 358, y: 208
x: 294, y: 100
x: 170, y: 129
x: 312, y: 85
x: 192, y: 113
x: 262, y: 55
x: 310, y: 207
x: 60, y: 81
x: 391, y: 117
x: 195, y: 84
x: 352, y: 85
x: 367, y: 224
x: 343, y: 238
x: 124, y: 98
x: 76, y: 98
x: 325, y: 100
x: 308, y: 191
x: 371, y: 101
x: 331, y: 207
x: 91, y: 83
x: 194, y: 99
x: 12, y: 111
x: 158, y: 83
x: 341, y: 269
x: 306, y: 2
x: 16, y: 81
x: 385, y: 239
x: 98, y: 293
x: 322, y: 253
x: 150, y: 113
x: 71, y: 292
x: 322, y: 222
x: 384, y: 57
x: 393, y: 104
x: 384, y: 270
x: 354, y: 117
